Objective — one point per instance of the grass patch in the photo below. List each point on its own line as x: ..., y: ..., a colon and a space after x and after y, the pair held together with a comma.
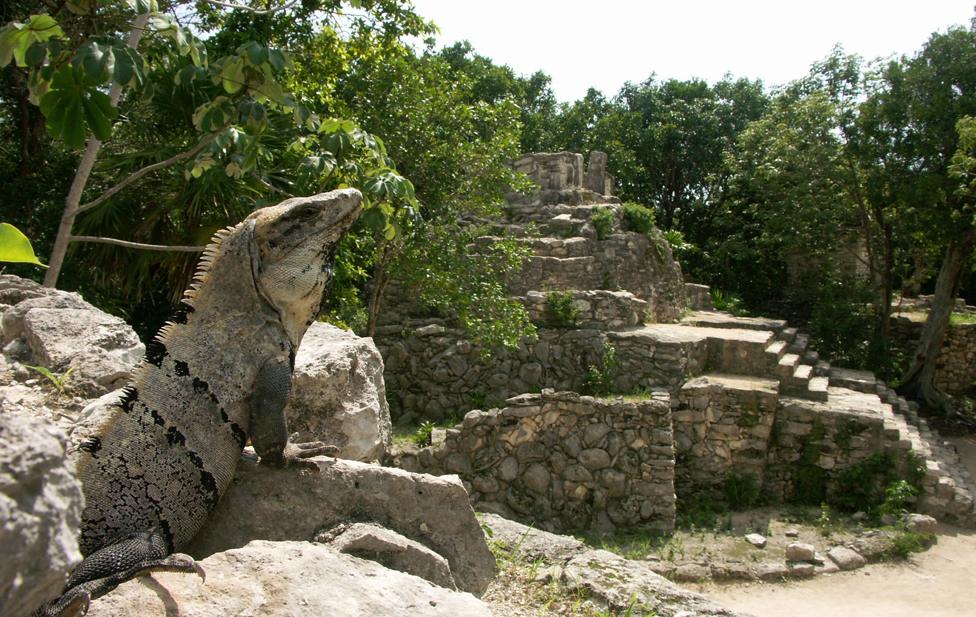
x: 958, y: 319
x: 603, y: 221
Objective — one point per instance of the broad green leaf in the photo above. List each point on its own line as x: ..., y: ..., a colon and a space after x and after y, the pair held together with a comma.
x: 15, y: 247
x: 36, y: 54
x: 98, y: 110
x: 74, y: 105
x: 16, y: 38
x: 256, y: 53
x: 232, y: 76
x: 97, y: 60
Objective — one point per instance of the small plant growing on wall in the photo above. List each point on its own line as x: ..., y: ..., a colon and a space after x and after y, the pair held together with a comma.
x: 638, y: 218
x: 602, y: 220
x: 561, y: 312
x: 599, y: 377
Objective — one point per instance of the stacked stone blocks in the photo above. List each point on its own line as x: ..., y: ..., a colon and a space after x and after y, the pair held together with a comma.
x: 563, y: 461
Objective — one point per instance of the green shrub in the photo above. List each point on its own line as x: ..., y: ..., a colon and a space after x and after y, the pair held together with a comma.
x: 422, y: 436
x: 599, y: 377
x: 908, y: 542
x: 561, y: 311
x: 741, y: 491
x: 730, y: 303
x: 638, y: 218
x: 603, y: 220
x: 898, y: 495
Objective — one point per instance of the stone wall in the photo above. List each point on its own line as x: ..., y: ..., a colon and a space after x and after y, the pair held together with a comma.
x: 594, y: 309
x: 955, y: 370
x: 638, y: 263
x: 556, y: 171
x: 563, y: 461
x: 722, y: 426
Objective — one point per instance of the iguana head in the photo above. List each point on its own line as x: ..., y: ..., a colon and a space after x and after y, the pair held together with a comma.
x: 293, y: 248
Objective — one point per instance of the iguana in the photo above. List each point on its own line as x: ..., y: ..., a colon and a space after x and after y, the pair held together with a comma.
x: 217, y: 375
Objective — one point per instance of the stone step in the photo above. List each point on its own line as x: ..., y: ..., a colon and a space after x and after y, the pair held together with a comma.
x: 818, y: 388
x: 859, y: 381
x: 718, y: 319
x: 786, y: 365
x: 803, y: 373
x: 822, y: 368
x: 799, y: 344
x: 811, y: 357
x: 787, y: 334
x: 774, y: 351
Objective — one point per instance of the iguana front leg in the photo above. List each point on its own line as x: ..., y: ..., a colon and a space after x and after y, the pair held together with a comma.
x: 269, y: 427
x: 112, y: 565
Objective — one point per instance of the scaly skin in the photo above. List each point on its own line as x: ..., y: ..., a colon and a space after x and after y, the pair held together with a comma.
x: 215, y: 377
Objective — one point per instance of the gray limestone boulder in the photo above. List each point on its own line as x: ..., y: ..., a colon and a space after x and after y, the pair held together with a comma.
x: 40, y: 511
x: 376, y: 543
x: 60, y: 331
x: 800, y: 551
x: 265, y: 503
x: 617, y: 585
x: 846, y: 558
x: 286, y: 579
x: 338, y: 395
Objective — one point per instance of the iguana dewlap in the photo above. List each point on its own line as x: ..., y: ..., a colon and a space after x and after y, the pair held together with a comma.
x: 215, y: 377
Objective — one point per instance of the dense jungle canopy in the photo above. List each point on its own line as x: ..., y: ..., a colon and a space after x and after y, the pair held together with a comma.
x: 158, y: 122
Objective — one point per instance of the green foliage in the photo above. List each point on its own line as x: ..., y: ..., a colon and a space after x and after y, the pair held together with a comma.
x: 15, y: 247
x: 58, y: 381
x: 561, y: 310
x: 603, y: 220
x: 698, y: 512
x: 422, y: 436
x: 842, y: 324
x: 898, y: 496
x: 741, y: 490
x: 881, y: 484
x: 448, y: 277
x: 908, y: 542
x: 728, y: 302
x: 599, y: 376
x: 638, y: 218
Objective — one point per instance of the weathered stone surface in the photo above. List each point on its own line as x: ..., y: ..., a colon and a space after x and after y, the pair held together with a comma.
x: 376, y: 543
x: 597, y: 178
x: 338, y: 395
x: 921, y: 523
x: 552, y: 170
x: 614, y: 582
x: 286, y: 579
x: 845, y: 558
x: 800, y: 551
x: 537, y: 460
x: 610, y: 581
x: 757, y: 540
x: 293, y: 504
x: 60, y: 331
x: 40, y: 511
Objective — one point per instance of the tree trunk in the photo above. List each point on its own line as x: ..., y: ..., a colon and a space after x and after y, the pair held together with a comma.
x: 82, y: 174
x: 918, y: 381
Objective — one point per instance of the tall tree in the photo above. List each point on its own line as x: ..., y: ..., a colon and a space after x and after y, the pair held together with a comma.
x: 940, y: 83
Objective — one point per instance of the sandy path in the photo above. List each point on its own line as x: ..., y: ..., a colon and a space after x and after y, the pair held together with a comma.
x: 940, y: 582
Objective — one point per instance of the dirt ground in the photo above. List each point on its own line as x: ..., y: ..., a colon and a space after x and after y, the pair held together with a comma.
x: 936, y: 583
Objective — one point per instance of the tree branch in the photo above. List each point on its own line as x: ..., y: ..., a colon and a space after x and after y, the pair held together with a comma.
x: 142, y: 172
x: 137, y: 245
x: 242, y: 7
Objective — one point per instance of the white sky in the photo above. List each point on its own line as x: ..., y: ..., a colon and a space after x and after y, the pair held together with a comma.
x: 604, y: 43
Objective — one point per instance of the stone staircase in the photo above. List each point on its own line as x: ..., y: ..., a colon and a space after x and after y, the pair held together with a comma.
x: 630, y: 296
x: 806, y: 380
